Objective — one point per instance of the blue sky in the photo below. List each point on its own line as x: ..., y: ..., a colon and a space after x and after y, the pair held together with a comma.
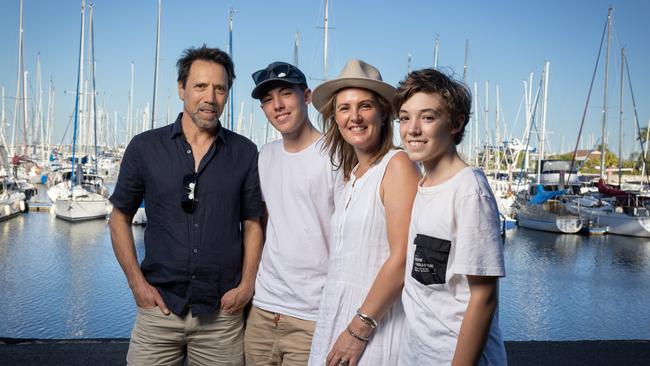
x: 507, y: 41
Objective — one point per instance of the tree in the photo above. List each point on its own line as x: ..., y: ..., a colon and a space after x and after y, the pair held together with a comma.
x: 593, y: 164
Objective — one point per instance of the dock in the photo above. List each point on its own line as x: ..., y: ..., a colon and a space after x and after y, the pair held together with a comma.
x: 100, y: 352
x: 40, y: 206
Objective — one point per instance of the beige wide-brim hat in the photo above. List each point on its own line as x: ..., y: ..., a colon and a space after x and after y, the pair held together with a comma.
x: 355, y: 74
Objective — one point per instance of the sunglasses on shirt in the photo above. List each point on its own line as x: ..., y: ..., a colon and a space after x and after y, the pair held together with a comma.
x: 189, y: 201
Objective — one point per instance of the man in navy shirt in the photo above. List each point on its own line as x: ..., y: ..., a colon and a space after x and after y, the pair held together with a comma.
x: 203, y: 239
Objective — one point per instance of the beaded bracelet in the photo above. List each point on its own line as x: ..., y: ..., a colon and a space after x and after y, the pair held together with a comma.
x: 355, y: 335
x: 367, y: 319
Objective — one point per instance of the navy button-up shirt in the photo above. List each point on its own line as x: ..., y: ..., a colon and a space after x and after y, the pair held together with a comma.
x: 191, y: 258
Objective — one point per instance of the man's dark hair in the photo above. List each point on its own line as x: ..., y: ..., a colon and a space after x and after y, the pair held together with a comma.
x: 206, y: 54
x: 457, y: 97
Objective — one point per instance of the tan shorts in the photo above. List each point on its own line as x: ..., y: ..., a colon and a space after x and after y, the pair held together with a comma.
x: 159, y: 339
x: 276, y: 339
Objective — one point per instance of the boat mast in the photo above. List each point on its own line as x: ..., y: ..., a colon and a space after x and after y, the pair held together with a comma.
x: 40, y: 127
x: 129, y: 116
x: 93, y: 95
x: 155, y: 72
x: 476, y: 124
x: 19, y: 81
x: 497, y: 139
x: 296, y: 45
x: 2, y: 115
x: 25, y: 130
x: 603, y: 131
x: 231, y: 110
x: 620, y: 122
x: 115, y: 142
x: 250, y: 123
x: 469, y: 152
x: 79, y: 88
x: 542, y: 153
x: 3, y: 121
x: 486, y: 151
x: 325, y: 40
x: 49, y: 122
x: 435, y: 51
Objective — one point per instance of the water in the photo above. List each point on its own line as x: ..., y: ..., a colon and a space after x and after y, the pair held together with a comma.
x: 61, y: 280
x: 570, y: 287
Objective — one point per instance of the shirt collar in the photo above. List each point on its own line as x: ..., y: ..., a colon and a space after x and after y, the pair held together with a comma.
x: 177, y: 129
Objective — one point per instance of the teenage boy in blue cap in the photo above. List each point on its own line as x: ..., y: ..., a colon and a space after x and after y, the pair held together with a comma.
x: 298, y: 187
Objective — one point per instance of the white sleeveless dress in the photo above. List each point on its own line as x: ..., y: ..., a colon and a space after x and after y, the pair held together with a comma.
x: 358, y: 249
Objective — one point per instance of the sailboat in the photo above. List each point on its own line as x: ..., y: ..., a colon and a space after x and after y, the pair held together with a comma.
x: 546, y: 210
x: 12, y: 200
x: 81, y: 197
x: 621, y: 212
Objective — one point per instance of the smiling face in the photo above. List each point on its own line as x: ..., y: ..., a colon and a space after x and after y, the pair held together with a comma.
x: 425, y: 128
x: 359, y: 119
x: 285, y: 106
x: 205, y: 93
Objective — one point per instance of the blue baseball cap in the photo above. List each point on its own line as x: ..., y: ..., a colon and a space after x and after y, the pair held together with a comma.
x: 276, y: 72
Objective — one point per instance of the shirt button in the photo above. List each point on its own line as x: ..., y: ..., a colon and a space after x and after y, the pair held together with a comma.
x: 196, y: 225
x: 193, y: 277
x: 189, y: 151
x: 195, y: 250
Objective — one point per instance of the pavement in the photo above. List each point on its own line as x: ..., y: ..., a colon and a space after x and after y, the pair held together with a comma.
x: 103, y: 352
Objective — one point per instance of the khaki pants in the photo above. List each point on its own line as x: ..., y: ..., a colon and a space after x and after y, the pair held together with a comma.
x: 159, y: 339
x: 277, y: 340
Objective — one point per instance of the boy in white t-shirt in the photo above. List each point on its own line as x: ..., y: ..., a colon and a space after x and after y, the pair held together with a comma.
x: 455, y: 256
x: 298, y: 185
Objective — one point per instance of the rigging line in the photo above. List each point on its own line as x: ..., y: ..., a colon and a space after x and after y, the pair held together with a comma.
x: 314, y: 41
x: 517, y: 115
x: 65, y: 132
x: 532, y: 125
x: 591, y: 86
x: 636, y: 116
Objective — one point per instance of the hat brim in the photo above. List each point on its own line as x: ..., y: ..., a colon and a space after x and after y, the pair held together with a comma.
x: 324, y: 91
x: 259, y: 91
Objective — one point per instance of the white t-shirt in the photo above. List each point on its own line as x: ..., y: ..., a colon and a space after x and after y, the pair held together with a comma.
x: 298, y: 189
x: 456, y: 221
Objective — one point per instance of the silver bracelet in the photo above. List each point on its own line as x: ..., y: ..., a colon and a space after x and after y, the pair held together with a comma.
x: 367, y: 319
x: 355, y: 335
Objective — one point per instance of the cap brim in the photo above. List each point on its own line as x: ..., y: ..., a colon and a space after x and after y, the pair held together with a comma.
x: 264, y: 86
x: 324, y: 91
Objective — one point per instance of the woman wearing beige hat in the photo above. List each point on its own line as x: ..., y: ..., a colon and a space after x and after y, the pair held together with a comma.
x: 361, y: 318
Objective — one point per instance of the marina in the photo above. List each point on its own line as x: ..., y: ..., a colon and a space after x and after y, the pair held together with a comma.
x: 571, y: 184
x: 60, y: 280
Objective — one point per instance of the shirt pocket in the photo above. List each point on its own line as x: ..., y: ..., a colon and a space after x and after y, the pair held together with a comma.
x: 430, y: 259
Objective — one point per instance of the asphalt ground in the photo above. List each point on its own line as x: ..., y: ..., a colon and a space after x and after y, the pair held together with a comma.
x: 101, y: 352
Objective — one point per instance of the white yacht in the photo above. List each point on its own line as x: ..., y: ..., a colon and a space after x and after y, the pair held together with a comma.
x: 12, y: 201
x: 544, y: 206
x: 621, y: 212
x: 85, y: 199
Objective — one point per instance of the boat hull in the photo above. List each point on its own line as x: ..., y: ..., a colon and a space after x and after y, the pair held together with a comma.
x: 550, y: 222
x: 79, y: 210
x: 12, y: 205
x: 620, y: 223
